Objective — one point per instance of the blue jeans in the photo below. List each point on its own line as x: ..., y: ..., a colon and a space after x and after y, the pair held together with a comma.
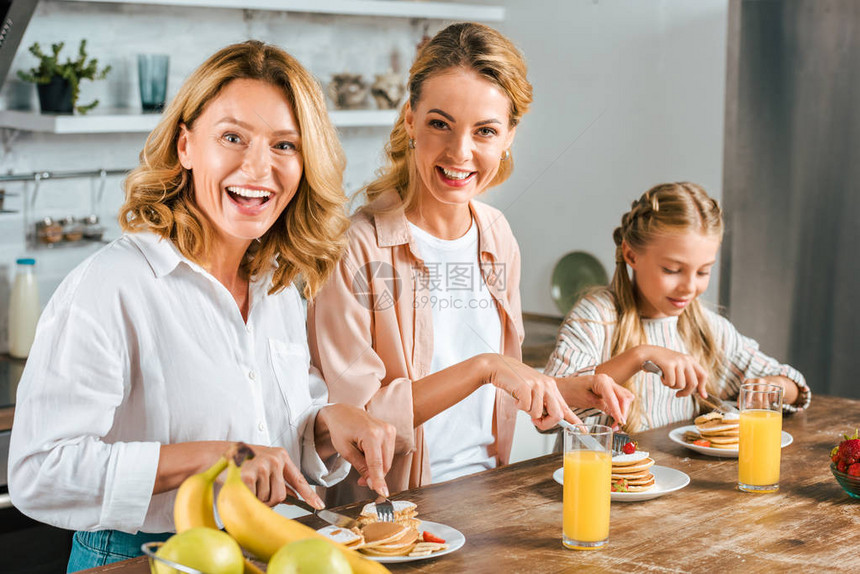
x: 91, y: 549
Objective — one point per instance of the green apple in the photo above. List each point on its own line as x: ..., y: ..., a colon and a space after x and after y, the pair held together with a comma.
x: 309, y: 556
x: 205, y: 549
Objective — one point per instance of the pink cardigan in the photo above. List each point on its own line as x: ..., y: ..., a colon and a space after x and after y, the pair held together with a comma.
x: 371, y: 337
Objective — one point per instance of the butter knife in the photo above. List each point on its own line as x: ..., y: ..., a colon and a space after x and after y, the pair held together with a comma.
x: 329, y: 516
x: 590, y: 442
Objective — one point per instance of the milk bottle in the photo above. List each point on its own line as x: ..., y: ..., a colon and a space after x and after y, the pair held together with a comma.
x: 23, y: 309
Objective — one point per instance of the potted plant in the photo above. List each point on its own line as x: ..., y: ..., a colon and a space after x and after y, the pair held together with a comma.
x: 59, y: 84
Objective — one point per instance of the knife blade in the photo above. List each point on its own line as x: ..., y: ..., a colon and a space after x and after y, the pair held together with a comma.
x: 329, y: 516
x: 589, y: 441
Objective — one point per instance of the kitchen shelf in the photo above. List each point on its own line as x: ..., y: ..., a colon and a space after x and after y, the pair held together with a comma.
x: 392, y: 8
x: 92, y: 123
x: 95, y: 123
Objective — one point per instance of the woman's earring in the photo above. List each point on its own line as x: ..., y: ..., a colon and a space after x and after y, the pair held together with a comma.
x: 507, y: 155
x: 411, y: 143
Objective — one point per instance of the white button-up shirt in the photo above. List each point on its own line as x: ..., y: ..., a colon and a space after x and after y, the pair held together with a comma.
x: 141, y: 347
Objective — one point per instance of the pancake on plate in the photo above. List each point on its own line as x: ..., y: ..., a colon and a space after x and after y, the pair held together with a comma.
x: 715, y: 430
x: 386, y: 539
x: 404, y: 513
x: 630, y: 472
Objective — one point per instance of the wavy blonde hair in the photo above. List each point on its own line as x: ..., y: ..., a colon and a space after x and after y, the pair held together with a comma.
x: 308, y: 238
x: 665, y: 208
x: 465, y: 45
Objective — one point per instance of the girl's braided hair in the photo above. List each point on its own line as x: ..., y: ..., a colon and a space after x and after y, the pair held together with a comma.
x: 667, y: 208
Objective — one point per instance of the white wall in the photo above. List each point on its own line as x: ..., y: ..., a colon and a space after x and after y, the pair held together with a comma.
x: 628, y: 93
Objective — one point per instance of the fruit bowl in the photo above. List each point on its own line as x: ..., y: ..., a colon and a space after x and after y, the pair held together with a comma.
x: 150, y: 548
x: 850, y: 484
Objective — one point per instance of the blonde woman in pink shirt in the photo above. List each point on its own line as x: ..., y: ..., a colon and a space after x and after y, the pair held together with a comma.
x: 421, y: 321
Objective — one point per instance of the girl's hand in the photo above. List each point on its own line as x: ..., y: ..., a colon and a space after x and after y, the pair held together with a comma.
x: 533, y: 392
x: 597, y: 392
x: 366, y: 442
x: 269, y: 474
x: 680, y: 371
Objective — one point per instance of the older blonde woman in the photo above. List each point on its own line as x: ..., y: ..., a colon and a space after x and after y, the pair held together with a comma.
x: 421, y: 323
x: 188, y: 332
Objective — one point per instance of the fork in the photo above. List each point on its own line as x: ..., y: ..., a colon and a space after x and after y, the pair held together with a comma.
x: 619, y: 439
x: 384, y: 510
x: 722, y: 408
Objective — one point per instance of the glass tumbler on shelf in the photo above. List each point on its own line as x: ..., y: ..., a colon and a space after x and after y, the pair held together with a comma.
x: 587, y: 486
x: 759, y: 446
x: 152, y: 77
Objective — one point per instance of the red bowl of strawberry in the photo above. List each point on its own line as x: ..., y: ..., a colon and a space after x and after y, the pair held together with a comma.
x: 845, y: 464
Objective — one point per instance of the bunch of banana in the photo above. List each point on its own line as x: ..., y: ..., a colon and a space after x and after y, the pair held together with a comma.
x: 261, y: 530
x: 194, y: 499
x: 193, y: 506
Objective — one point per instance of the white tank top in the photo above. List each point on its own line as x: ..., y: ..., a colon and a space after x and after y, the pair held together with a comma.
x: 466, y: 323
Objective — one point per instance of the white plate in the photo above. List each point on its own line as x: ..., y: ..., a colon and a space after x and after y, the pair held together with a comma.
x: 452, y: 537
x: 666, y: 480
x: 677, y: 435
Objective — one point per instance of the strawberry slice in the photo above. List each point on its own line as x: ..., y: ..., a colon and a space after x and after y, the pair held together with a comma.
x: 619, y: 485
x: 702, y: 442
x: 430, y: 538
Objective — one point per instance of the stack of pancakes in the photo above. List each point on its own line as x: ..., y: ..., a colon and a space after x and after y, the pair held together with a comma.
x: 722, y: 430
x: 404, y: 513
x: 376, y: 538
x: 630, y: 472
x: 388, y: 539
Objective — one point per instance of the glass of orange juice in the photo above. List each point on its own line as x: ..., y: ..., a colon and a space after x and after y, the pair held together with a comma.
x: 587, y: 482
x: 760, y: 440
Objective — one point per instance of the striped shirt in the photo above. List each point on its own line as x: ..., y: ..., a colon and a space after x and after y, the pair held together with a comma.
x: 585, y: 338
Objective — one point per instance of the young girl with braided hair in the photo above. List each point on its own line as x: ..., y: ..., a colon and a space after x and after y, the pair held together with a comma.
x: 668, y: 242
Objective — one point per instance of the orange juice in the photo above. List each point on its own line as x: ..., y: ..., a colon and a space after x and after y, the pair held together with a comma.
x: 759, y: 449
x: 587, y: 480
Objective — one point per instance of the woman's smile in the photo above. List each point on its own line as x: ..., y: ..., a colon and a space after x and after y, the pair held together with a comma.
x: 455, y: 177
x: 249, y: 200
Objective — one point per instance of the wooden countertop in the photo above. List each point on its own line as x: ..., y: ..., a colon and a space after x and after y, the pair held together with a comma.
x: 511, y: 516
